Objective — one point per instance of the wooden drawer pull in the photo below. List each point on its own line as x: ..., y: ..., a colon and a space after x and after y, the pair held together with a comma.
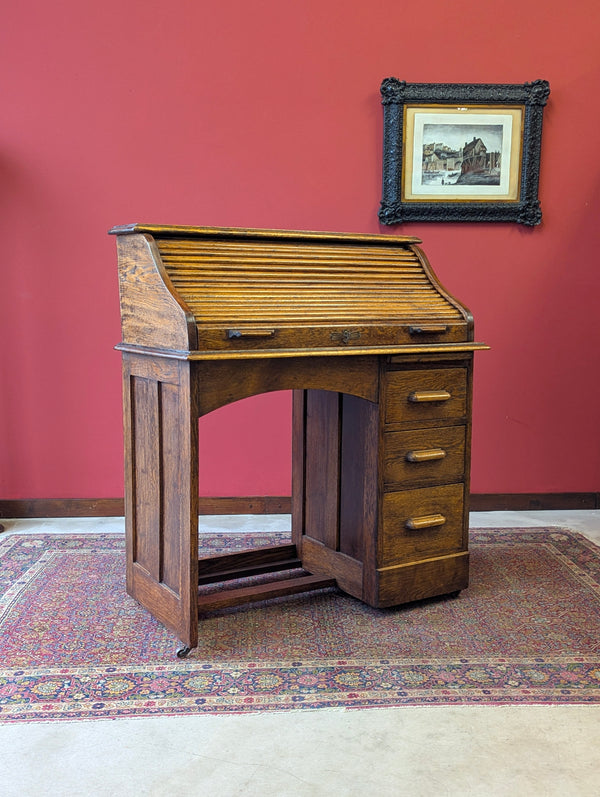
x: 428, y: 329
x: 250, y: 333
x: 425, y: 455
x: 420, y: 396
x: 424, y: 522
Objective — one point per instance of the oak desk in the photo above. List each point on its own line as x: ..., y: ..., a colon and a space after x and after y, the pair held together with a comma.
x: 380, y: 360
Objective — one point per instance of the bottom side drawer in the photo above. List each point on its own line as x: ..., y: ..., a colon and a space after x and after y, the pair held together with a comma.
x: 423, y: 523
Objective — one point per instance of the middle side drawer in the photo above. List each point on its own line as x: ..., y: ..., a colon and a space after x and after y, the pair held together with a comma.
x: 424, y: 456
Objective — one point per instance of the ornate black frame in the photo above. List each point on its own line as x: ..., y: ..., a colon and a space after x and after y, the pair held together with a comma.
x: 395, y: 94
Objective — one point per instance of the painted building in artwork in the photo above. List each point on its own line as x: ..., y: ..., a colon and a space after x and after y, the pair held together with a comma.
x: 439, y: 157
x: 476, y: 158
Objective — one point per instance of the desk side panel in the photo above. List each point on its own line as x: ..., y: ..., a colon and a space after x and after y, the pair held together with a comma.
x: 161, y: 491
x: 152, y: 314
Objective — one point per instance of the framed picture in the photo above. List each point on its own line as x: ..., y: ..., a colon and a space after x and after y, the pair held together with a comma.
x: 460, y: 152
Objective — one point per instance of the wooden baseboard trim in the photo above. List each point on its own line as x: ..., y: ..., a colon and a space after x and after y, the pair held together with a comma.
x: 61, y: 507
x: 113, y: 507
x: 523, y: 502
x: 274, y: 505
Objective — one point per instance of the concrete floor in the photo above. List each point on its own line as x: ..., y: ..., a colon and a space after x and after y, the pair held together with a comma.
x: 426, y: 751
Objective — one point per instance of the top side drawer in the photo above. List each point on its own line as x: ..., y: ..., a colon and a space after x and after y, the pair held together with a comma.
x: 439, y: 393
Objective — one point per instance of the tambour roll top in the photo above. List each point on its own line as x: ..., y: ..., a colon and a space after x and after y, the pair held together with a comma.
x: 232, y: 292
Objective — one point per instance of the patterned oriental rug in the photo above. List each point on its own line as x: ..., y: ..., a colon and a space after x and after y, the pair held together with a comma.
x: 74, y: 645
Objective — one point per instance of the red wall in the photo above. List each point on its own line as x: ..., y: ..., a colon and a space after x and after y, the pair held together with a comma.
x: 267, y: 114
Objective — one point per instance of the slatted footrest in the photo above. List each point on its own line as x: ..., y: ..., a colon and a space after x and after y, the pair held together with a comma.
x: 244, y: 564
x: 260, y: 592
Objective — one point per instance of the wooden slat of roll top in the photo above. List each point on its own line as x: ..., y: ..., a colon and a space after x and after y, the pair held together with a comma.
x: 395, y: 310
x: 204, y: 312
x: 292, y: 250
x: 316, y: 305
x: 359, y: 268
x: 298, y: 266
x: 318, y: 297
x: 389, y: 294
x: 295, y: 280
x: 276, y: 270
x: 276, y: 256
x: 367, y: 294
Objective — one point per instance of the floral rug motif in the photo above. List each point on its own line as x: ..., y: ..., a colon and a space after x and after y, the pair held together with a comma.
x: 74, y: 645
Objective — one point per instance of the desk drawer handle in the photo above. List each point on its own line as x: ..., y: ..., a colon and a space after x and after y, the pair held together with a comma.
x: 428, y: 329
x: 250, y: 333
x: 420, y: 396
x: 424, y: 522
x: 425, y: 455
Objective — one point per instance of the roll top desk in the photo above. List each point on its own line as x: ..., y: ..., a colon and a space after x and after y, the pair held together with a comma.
x: 379, y: 357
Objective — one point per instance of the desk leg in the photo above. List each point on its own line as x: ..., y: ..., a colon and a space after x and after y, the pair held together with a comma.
x: 315, y: 467
x: 298, y: 472
x: 161, y: 504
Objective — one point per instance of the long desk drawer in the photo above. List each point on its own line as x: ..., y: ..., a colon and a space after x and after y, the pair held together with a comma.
x: 424, y: 395
x: 423, y: 523
x: 424, y: 456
